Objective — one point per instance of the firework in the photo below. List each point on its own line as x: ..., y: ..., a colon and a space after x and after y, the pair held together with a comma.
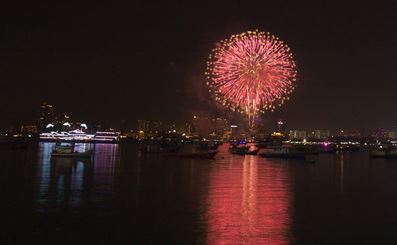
x: 251, y: 72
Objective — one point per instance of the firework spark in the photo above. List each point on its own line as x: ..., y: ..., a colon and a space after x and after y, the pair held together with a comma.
x: 251, y: 72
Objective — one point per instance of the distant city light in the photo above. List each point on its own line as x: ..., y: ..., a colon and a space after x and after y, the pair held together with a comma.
x: 67, y: 124
x: 83, y: 125
x: 233, y: 126
x: 49, y: 125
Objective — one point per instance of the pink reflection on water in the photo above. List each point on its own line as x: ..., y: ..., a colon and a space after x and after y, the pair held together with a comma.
x: 106, y: 158
x: 248, y: 203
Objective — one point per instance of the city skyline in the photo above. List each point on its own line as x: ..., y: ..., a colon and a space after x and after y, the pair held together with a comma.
x: 121, y: 63
x: 50, y: 119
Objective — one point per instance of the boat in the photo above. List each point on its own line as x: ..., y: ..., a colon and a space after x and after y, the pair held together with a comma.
x: 347, y: 147
x: 63, y: 148
x: 67, y: 150
x: 238, y: 150
x: 72, y: 154
x: 107, y: 137
x: 285, y: 152
x: 76, y: 135
x: 384, y: 152
x: 207, y: 145
x: 252, y: 152
x: 203, y: 155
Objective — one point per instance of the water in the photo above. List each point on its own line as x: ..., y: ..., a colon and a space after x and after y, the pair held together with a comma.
x: 122, y: 195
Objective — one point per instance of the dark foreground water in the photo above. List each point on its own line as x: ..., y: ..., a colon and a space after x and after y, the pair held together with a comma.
x: 123, y: 196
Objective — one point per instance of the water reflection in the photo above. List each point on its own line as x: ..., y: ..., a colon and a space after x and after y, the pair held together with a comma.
x: 147, y: 199
x: 106, y: 164
x: 71, y: 182
x: 249, y: 204
x: 66, y: 182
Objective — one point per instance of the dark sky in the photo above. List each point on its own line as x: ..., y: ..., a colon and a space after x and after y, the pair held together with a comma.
x: 115, y: 62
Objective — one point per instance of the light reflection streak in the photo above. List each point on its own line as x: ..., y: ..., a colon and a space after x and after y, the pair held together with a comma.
x: 249, y: 204
x: 106, y: 158
x: 69, y: 182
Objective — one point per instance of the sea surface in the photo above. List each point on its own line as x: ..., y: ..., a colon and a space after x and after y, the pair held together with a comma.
x: 122, y: 195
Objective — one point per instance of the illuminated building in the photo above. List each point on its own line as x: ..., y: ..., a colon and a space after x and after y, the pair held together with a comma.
x: 155, y: 127
x: 202, y: 126
x: 47, y: 115
x: 170, y: 127
x: 28, y: 129
x: 220, y: 127
x: 148, y: 129
x: 321, y: 134
x: 65, y: 121
x: 214, y: 127
x: 280, y: 126
x: 394, y: 135
x: 188, y: 129
x: 143, y: 125
x: 297, y: 134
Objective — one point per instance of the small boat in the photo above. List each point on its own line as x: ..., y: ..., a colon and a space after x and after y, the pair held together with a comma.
x: 63, y: 148
x: 208, y: 145
x: 347, y: 147
x: 384, y: 152
x: 67, y: 150
x: 284, y: 152
x: 252, y: 152
x: 239, y: 150
x: 72, y: 154
x: 203, y: 155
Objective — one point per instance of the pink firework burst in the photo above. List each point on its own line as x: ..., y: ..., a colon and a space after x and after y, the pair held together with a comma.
x: 251, y: 72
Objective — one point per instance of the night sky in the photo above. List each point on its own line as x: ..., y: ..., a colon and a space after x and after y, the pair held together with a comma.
x: 117, y: 63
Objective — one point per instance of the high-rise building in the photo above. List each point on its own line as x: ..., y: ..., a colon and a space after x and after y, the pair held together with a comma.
x: 143, y: 125
x: 47, y: 116
x: 202, y: 126
x: 156, y: 127
x: 394, y: 136
x: 280, y: 126
x: 28, y: 129
x: 297, y: 134
x: 210, y: 127
x: 220, y: 127
x: 321, y: 134
x: 188, y: 129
